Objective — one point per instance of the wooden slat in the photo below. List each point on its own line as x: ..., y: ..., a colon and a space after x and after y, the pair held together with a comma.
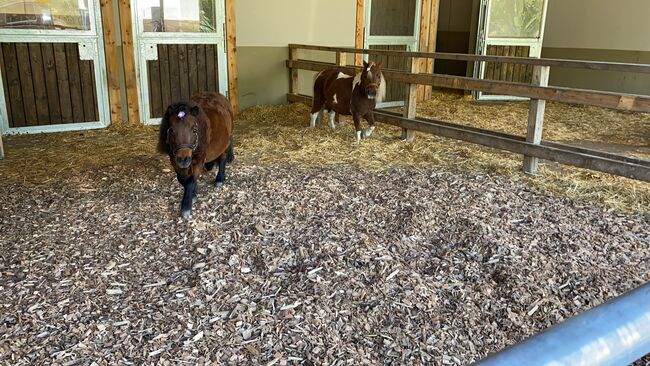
x: 112, y: 63
x: 582, y: 158
x: 2, y: 148
x: 433, y: 38
x: 359, y: 30
x: 13, y: 85
x: 165, y: 81
x: 212, y: 73
x: 94, y: 89
x: 88, y: 90
x: 76, y: 94
x: 65, y: 100
x: 575, y: 64
x: 128, y: 59
x: 5, y: 85
x: 629, y: 102
x: 26, y: 84
x: 192, y: 69
x: 40, y: 88
x: 231, y: 49
x: 422, y: 47
x: 183, y: 72
x: 51, y: 83
x: 293, y: 73
x: 201, y: 65
x: 174, y: 73
x: 155, y: 91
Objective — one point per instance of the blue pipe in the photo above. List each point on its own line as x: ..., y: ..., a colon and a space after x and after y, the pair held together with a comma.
x: 616, y: 333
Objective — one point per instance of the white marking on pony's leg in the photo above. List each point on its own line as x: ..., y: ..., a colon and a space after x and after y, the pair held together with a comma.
x: 314, y: 116
x: 331, y: 116
x: 368, y: 131
x: 359, y: 136
x: 343, y: 76
x: 187, y: 214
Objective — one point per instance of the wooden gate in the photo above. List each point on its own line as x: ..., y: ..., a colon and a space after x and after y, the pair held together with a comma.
x: 180, y: 71
x: 47, y: 84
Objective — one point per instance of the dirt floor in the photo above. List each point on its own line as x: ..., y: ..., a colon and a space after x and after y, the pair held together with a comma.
x: 318, y: 251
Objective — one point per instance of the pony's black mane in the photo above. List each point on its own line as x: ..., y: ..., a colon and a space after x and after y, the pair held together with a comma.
x: 163, y: 146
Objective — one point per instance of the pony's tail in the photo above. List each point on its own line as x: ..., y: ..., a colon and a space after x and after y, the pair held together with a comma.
x: 230, y: 153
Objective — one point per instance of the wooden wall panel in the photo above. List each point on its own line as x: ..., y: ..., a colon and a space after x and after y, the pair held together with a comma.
x: 46, y: 83
x: 180, y: 72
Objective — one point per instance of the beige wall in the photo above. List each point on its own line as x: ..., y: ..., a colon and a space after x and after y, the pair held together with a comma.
x: 266, y: 27
x: 276, y: 23
x: 599, y: 30
x: 598, y: 24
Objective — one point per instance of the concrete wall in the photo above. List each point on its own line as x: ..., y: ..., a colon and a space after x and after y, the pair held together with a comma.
x: 599, y: 30
x: 265, y: 28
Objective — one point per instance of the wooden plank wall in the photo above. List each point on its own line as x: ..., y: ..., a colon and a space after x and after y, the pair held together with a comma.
x: 180, y: 71
x: 508, y: 72
x: 394, y: 90
x: 46, y: 83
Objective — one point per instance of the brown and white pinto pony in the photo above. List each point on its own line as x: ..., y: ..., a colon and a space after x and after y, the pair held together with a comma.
x: 197, y: 136
x: 337, y: 92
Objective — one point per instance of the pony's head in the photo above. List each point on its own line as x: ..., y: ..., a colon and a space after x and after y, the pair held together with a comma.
x: 373, y: 82
x: 180, y: 133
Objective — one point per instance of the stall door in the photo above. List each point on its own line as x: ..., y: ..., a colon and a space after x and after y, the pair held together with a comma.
x: 509, y: 28
x: 52, y: 66
x: 180, y: 50
x: 393, y: 25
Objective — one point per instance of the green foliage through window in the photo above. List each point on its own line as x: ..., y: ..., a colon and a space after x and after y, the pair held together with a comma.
x: 516, y: 18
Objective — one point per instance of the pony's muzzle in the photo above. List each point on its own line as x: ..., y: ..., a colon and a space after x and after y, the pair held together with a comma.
x: 183, y: 161
x: 372, y: 94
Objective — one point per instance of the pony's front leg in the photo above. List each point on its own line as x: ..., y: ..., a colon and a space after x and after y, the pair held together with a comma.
x: 189, y: 195
x: 370, y: 117
x: 220, y: 180
x: 357, y: 125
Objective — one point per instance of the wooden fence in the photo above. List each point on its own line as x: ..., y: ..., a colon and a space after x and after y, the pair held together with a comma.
x: 532, y: 146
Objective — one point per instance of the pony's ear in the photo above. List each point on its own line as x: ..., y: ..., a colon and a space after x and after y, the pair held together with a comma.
x: 365, y: 64
x: 194, y: 111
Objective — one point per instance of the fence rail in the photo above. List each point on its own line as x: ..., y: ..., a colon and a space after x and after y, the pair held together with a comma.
x: 532, y: 146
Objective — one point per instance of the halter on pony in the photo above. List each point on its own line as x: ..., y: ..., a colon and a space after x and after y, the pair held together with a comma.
x: 191, y: 146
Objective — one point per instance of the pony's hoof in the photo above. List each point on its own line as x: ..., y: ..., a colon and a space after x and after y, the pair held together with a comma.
x: 219, y: 184
x: 194, y: 200
x: 359, y: 136
x: 368, y: 132
x: 187, y: 214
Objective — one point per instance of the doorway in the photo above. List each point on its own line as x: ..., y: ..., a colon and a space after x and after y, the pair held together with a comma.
x: 52, y: 66
x: 393, y: 25
x: 180, y: 49
x: 509, y: 28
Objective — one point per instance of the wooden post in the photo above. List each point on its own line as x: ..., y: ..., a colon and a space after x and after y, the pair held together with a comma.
x: 410, y: 104
x: 231, y: 45
x: 341, y: 60
x: 128, y: 55
x: 112, y: 65
x: 359, y: 31
x: 431, y: 46
x: 536, y: 117
x: 293, y: 74
x: 424, y: 33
